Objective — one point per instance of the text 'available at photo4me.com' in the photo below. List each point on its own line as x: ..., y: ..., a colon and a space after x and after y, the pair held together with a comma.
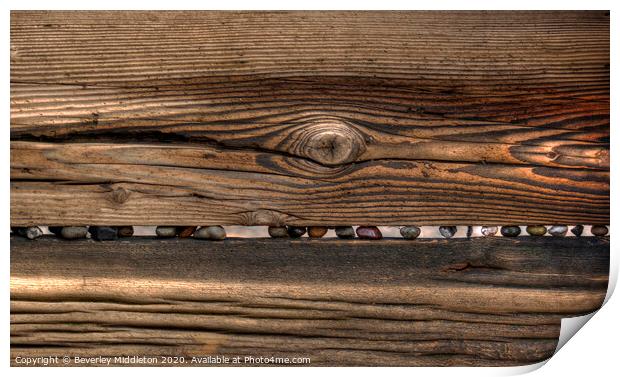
x: 159, y: 360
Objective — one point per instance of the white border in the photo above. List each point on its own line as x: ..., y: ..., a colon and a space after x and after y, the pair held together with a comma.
x: 593, y: 351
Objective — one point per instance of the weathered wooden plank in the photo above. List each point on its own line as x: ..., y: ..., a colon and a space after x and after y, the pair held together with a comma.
x: 310, y: 117
x: 506, y: 87
x: 490, y: 301
x: 154, y: 184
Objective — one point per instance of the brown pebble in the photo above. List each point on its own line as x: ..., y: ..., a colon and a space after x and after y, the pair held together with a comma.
x: 599, y: 230
x: 316, y: 231
x: 125, y: 231
x: 186, y: 231
x: 369, y: 233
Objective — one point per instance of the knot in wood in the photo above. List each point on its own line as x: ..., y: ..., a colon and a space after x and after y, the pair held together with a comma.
x: 120, y: 195
x: 328, y: 142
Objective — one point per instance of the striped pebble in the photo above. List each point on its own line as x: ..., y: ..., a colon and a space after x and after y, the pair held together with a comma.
x: 73, y: 232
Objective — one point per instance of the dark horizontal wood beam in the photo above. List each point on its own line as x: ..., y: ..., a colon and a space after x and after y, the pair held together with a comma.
x: 492, y: 301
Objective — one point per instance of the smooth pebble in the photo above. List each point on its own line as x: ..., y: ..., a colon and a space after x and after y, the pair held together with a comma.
x: 488, y: 231
x: 33, y: 232
x: 296, y: 231
x: 410, y: 232
x: 73, y: 232
x: 599, y: 230
x: 103, y: 233
x: 278, y: 231
x: 577, y: 230
x: 558, y: 230
x: 536, y: 230
x: 369, y: 232
x: 510, y: 231
x: 212, y: 232
x: 316, y: 231
x: 166, y: 231
x: 125, y: 231
x: 345, y: 232
x: 447, y: 231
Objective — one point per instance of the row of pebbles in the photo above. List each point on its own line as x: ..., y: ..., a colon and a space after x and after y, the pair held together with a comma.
x: 217, y: 232
x: 412, y: 232
x: 212, y: 232
x: 99, y: 233
x: 111, y: 233
x: 541, y: 230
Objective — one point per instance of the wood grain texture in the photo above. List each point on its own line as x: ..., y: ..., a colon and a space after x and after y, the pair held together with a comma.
x: 154, y: 184
x: 493, y: 301
x: 517, y: 100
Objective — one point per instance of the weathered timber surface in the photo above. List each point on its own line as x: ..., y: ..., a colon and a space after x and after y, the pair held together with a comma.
x: 310, y: 117
x: 157, y: 184
x: 493, y: 301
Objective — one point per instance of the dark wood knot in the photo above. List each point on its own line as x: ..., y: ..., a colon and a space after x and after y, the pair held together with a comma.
x: 326, y: 141
x: 120, y: 195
